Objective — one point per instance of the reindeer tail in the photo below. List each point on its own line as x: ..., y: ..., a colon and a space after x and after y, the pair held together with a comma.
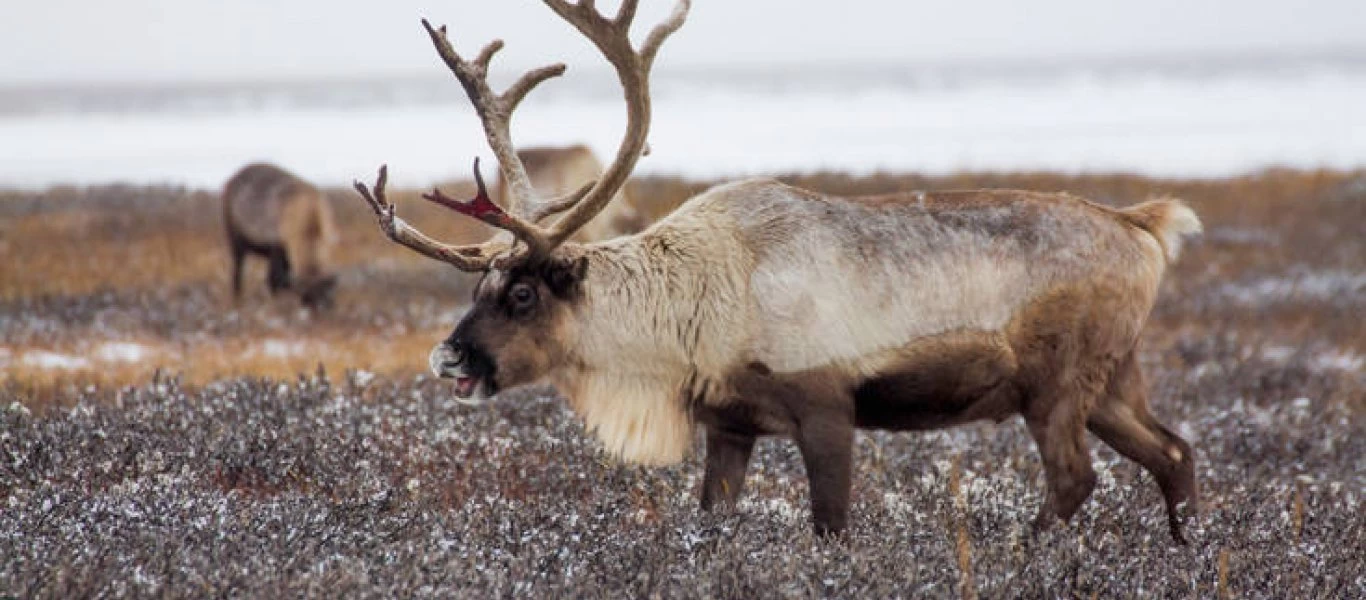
x: 1167, y: 219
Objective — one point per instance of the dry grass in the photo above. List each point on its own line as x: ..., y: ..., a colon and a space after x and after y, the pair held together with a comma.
x: 172, y: 237
x: 199, y: 362
x: 151, y: 269
x: 240, y: 477
x: 148, y: 264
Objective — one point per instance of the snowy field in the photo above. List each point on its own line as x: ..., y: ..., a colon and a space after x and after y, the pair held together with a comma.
x: 1155, y: 120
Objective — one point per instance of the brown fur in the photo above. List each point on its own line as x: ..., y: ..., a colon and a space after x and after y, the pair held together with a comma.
x: 555, y: 171
x: 761, y: 309
x: 1073, y: 377
x: 270, y: 212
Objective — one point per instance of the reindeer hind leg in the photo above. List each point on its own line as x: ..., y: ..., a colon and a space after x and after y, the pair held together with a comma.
x: 1121, y: 419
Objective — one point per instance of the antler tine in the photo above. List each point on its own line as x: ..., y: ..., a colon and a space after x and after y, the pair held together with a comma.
x: 612, y: 37
x: 495, y: 110
x: 485, y: 55
x: 518, y: 90
x: 627, y: 12
x: 662, y: 31
x: 465, y: 258
x: 483, y: 208
x: 377, y: 202
x: 563, y: 203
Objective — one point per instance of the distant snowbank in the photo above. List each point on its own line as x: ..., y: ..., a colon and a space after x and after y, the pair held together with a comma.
x: 1164, y: 126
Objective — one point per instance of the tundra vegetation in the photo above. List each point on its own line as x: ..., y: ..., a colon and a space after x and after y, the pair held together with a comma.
x: 239, y: 470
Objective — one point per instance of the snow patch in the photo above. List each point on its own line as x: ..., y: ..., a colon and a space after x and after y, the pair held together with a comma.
x: 1278, y: 354
x: 1335, y: 359
x: 281, y: 348
x: 1250, y: 236
x: 898, y: 505
x: 1317, y: 286
x: 1338, y: 360
x: 361, y: 377
x: 776, y: 507
x: 43, y: 359
x: 122, y: 352
x: 108, y: 352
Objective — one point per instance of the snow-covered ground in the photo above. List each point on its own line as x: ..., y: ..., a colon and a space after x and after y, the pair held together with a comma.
x: 1145, y: 120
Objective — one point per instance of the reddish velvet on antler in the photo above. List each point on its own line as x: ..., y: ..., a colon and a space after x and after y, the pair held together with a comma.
x: 468, y: 258
x: 480, y: 206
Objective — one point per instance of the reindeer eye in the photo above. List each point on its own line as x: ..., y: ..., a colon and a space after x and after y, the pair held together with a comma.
x: 522, y: 296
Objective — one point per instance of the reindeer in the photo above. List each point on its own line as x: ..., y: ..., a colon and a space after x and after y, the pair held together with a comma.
x: 558, y: 170
x: 274, y: 214
x: 758, y: 308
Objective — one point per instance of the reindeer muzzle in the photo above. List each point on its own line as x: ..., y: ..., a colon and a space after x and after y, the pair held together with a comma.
x: 450, y: 362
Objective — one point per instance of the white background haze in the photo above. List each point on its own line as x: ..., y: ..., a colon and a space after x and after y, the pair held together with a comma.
x: 187, y: 91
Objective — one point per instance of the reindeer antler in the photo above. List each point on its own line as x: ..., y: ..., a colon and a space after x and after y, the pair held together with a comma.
x: 612, y: 37
x: 521, y: 217
x: 465, y: 258
x: 495, y: 110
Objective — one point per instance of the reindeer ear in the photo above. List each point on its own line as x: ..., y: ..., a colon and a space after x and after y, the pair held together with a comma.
x: 565, y: 275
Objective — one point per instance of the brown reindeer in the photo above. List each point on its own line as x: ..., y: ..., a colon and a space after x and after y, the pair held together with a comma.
x: 559, y: 170
x: 271, y: 213
x: 757, y: 309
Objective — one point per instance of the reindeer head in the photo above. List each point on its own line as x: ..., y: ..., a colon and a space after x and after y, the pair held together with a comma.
x: 317, y: 292
x: 519, y: 329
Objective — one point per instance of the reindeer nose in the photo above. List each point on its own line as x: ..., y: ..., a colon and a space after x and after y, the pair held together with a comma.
x: 445, y: 359
x: 455, y: 356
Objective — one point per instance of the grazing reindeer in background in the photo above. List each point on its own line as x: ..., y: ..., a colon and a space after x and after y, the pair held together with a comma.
x: 757, y: 308
x: 271, y: 213
x: 555, y: 171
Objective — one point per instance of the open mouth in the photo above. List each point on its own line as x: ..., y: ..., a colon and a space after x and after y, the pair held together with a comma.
x: 465, y: 386
x: 473, y: 384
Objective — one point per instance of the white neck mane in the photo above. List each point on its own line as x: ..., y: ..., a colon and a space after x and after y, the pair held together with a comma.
x: 648, y: 327
x: 639, y: 419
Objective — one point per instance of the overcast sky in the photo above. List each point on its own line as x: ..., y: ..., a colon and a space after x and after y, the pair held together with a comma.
x: 47, y: 41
